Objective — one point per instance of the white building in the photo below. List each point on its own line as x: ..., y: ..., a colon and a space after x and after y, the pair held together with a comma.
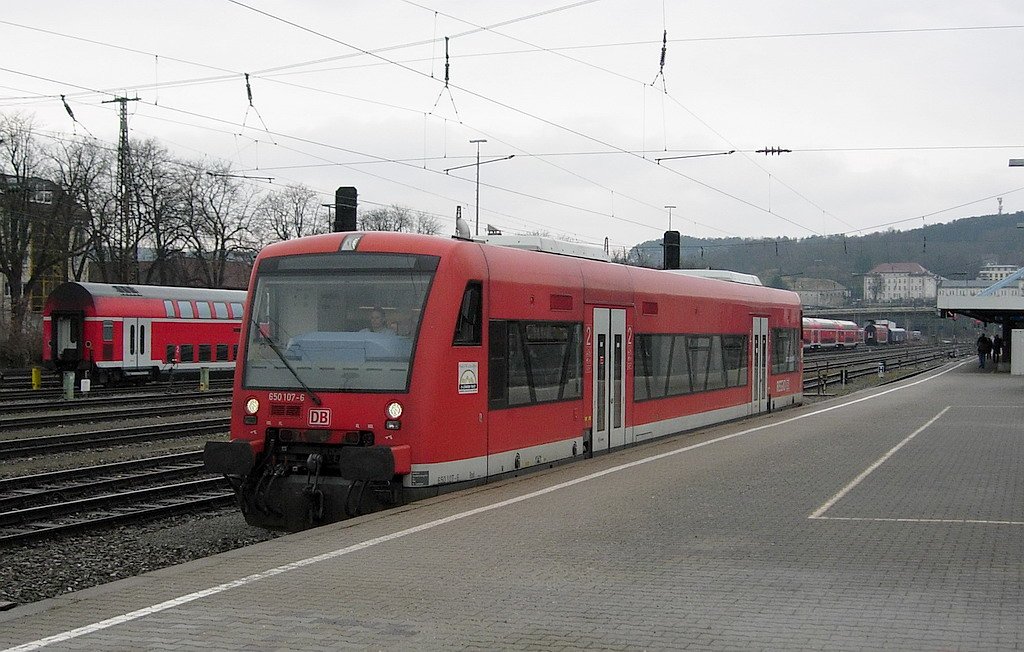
x: 820, y: 292
x: 994, y: 272
x: 900, y: 283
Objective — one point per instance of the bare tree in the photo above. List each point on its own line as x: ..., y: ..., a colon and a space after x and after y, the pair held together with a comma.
x: 219, y: 211
x: 36, y: 218
x: 84, y: 171
x: 398, y: 218
x: 292, y: 212
x: 160, y: 202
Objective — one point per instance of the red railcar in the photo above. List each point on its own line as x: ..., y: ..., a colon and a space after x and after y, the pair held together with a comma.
x: 493, y: 360
x: 116, y: 332
x: 819, y: 333
x: 876, y: 333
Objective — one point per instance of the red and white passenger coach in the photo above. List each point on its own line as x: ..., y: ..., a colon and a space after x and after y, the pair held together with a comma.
x: 118, y: 332
x: 382, y: 367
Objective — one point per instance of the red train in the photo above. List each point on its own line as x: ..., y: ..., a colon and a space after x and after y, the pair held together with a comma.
x: 114, y: 333
x: 830, y: 333
x: 378, y: 368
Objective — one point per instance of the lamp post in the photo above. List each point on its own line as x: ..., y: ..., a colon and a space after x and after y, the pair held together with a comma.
x: 478, y: 164
x: 669, y: 216
x: 478, y: 141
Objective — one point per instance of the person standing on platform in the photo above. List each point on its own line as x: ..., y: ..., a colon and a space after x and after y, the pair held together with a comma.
x: 997, y: 348
x: 984, y: 348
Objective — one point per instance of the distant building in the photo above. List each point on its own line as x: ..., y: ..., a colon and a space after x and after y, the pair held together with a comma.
x: 993, y: 272
x: 990, y: 274
x: 900, y: 283
x: 820, y: 292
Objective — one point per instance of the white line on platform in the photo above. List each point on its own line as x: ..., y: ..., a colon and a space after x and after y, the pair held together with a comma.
x: 892, y: 451
x: 957, y: 521
x: 249, y: 579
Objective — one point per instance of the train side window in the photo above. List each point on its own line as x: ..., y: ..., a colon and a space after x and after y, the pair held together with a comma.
x: 204, y: 310
x: 169, y: 308
x: 236, y: 310
x: 187, y: 353
x: 469, y: 327
x: 205, y: 351
x: 534, y: 362
x: 170, y: 354
x: 222, y: 352
x: 220, y: 309
x: 142, y: 339
x: 185, y: 308
x: 784, y: 350
x: 108, y: 330
x: 497, y: 376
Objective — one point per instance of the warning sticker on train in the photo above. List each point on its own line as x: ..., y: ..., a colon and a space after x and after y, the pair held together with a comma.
x: 468, y: 378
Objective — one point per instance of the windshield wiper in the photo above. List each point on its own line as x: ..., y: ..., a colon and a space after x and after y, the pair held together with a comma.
x: 273, y: 345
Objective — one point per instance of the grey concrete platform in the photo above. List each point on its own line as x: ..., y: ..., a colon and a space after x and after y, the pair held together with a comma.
x: 891, y: 519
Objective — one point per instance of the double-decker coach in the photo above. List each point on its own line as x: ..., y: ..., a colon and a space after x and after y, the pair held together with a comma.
x: 384, y: 367
x: 120, y: 332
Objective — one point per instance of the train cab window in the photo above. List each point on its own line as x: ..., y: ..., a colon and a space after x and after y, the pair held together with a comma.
x: 236, y: 310
x: 203, y: 308
x: 222, y: 352
x: 469, y: 326
x: 108, y: 330
x: 169, y: 308
x: 185, y: 308
x: 205, y: 351
x: 187, y: 353
x: 220, y: 309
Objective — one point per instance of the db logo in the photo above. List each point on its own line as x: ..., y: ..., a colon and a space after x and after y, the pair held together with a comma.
x: 320, y: 417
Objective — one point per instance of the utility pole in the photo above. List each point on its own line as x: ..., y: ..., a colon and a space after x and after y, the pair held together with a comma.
x: 478, y: 141
x: 123, y: 183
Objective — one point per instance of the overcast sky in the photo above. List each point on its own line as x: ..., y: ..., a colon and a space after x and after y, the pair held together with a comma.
x: 897, y: 113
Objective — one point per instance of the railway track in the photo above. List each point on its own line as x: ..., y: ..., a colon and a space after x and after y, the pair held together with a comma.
x: 824, y: 370
x: 149, y: 398
x: 54, y: 392
x: 29, y: 446
x: 113, y: 508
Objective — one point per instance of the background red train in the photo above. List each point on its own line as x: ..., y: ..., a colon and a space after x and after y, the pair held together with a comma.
x: 114, y: 333
x: 493, y: 360
x: 820, y: 333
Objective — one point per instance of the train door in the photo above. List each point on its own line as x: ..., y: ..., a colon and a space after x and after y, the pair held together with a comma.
x: 759, y: 373
x: 137, y: 352
x: 66, y: 336
x: 610, y: 378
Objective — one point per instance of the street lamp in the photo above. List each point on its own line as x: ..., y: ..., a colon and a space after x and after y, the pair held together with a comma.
x: 669, y: 216
x: 478, y: 164
x: 478, y: 141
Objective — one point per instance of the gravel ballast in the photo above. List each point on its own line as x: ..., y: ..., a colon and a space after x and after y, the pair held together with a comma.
x: 38, y: 570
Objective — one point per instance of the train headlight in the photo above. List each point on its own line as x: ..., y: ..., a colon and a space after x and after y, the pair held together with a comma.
x: 252, y: 406
x: 394, y: 410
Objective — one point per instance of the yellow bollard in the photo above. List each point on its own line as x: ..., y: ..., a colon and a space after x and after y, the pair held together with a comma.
x: 37, y: 378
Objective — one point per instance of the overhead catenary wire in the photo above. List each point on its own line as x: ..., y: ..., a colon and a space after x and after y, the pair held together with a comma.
x: 674, y: 40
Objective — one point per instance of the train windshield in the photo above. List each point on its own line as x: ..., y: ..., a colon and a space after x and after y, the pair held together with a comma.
x: 336, y: 322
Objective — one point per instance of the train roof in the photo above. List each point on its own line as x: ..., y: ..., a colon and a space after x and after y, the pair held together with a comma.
x: 720, y: 274
x: 601, y: 282
x: 75, y: 292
